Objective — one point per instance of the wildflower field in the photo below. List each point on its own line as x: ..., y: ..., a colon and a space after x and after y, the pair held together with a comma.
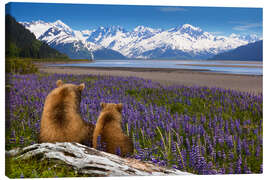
x: 195, y: 129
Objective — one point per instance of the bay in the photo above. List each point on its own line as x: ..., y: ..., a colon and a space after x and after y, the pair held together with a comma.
x: 231, y: 67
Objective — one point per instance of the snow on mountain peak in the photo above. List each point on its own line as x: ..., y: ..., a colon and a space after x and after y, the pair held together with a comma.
x: 140, y: 28
x: 38, y: 22
x: 86, y: 32
x: 233, y: 35
x: 60, y: 24
x: 115, y: 29
x: 144, y: 32
x: 249, y: 37
x: 134, y: 43
x: 37, y: 27
x: 188, y: 26
x: 107, y: 31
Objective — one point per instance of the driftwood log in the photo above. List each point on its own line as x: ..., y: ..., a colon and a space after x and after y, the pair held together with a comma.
x: 90, y: 161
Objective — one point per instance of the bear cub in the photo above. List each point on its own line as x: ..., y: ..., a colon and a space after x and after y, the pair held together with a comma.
x: 61, y: 119
x: 108, y: 126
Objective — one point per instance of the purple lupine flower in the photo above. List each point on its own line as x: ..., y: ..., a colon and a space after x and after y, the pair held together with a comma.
x: 13, y: 134
x: 230, y: 169
x: 21, y: 140
x: 21, y: 176
x: 221, y: 171
x: 212, y: 130
x: 219, y: 154
x: 231, y: 156
x: 238, y: 169
x: 239, y: 145
x: 229, y: 141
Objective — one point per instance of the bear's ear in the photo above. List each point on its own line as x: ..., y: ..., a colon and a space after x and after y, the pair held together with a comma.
x: 119, y: 107
x: 81, y: 86
x: 59, y: 83
x: 102, y: 104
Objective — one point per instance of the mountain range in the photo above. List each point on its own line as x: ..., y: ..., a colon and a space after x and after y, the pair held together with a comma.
x: 115, y: 42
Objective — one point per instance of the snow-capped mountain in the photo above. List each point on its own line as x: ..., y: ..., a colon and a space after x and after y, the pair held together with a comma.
x: 58, y: 33
x: 71, y: 42
x: 182, y: 42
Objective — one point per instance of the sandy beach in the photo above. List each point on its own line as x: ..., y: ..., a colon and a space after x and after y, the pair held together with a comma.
x: 246, y: 83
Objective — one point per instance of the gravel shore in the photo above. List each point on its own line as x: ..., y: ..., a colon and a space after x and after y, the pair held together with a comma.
x: 246, y: 83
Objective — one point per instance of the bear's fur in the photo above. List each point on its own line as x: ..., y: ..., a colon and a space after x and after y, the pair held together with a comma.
x: 61, y: 119
x: 108, y: 126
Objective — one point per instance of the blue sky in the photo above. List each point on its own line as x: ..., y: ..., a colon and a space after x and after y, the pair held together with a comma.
x: 218, y: 20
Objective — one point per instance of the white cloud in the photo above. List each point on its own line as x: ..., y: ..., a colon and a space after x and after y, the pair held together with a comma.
x: 172, y: 9
x: 246, y: 26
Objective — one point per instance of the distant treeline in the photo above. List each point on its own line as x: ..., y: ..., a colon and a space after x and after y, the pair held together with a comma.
x: 20, y: 42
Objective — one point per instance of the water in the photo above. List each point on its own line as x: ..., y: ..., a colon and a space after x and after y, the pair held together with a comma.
x: 251, y: 67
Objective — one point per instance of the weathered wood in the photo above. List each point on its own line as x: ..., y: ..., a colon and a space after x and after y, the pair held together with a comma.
x: 90, y: 161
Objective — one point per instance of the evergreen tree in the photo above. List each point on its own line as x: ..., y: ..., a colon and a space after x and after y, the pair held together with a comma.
x: 20, y: 42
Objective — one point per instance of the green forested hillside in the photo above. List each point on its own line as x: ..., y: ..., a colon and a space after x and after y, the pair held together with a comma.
x: 20, y: 42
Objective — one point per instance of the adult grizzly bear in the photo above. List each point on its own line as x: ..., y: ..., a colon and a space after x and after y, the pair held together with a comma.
x: 61, y: 120
x: 108, y: 126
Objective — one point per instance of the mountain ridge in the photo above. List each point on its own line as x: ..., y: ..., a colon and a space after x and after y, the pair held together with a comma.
x: 251, y: 51
x: 141, y: 42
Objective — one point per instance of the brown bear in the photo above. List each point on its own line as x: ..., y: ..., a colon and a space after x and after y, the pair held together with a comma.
x: 108, y: 126
x: 61, y: 119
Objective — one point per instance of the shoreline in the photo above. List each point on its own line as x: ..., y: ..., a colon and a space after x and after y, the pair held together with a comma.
x: 217, y: 65
x: 167, y: 76
x: 132, y: 69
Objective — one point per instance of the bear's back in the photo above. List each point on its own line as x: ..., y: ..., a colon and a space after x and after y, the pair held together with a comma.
x: 61, y: 120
